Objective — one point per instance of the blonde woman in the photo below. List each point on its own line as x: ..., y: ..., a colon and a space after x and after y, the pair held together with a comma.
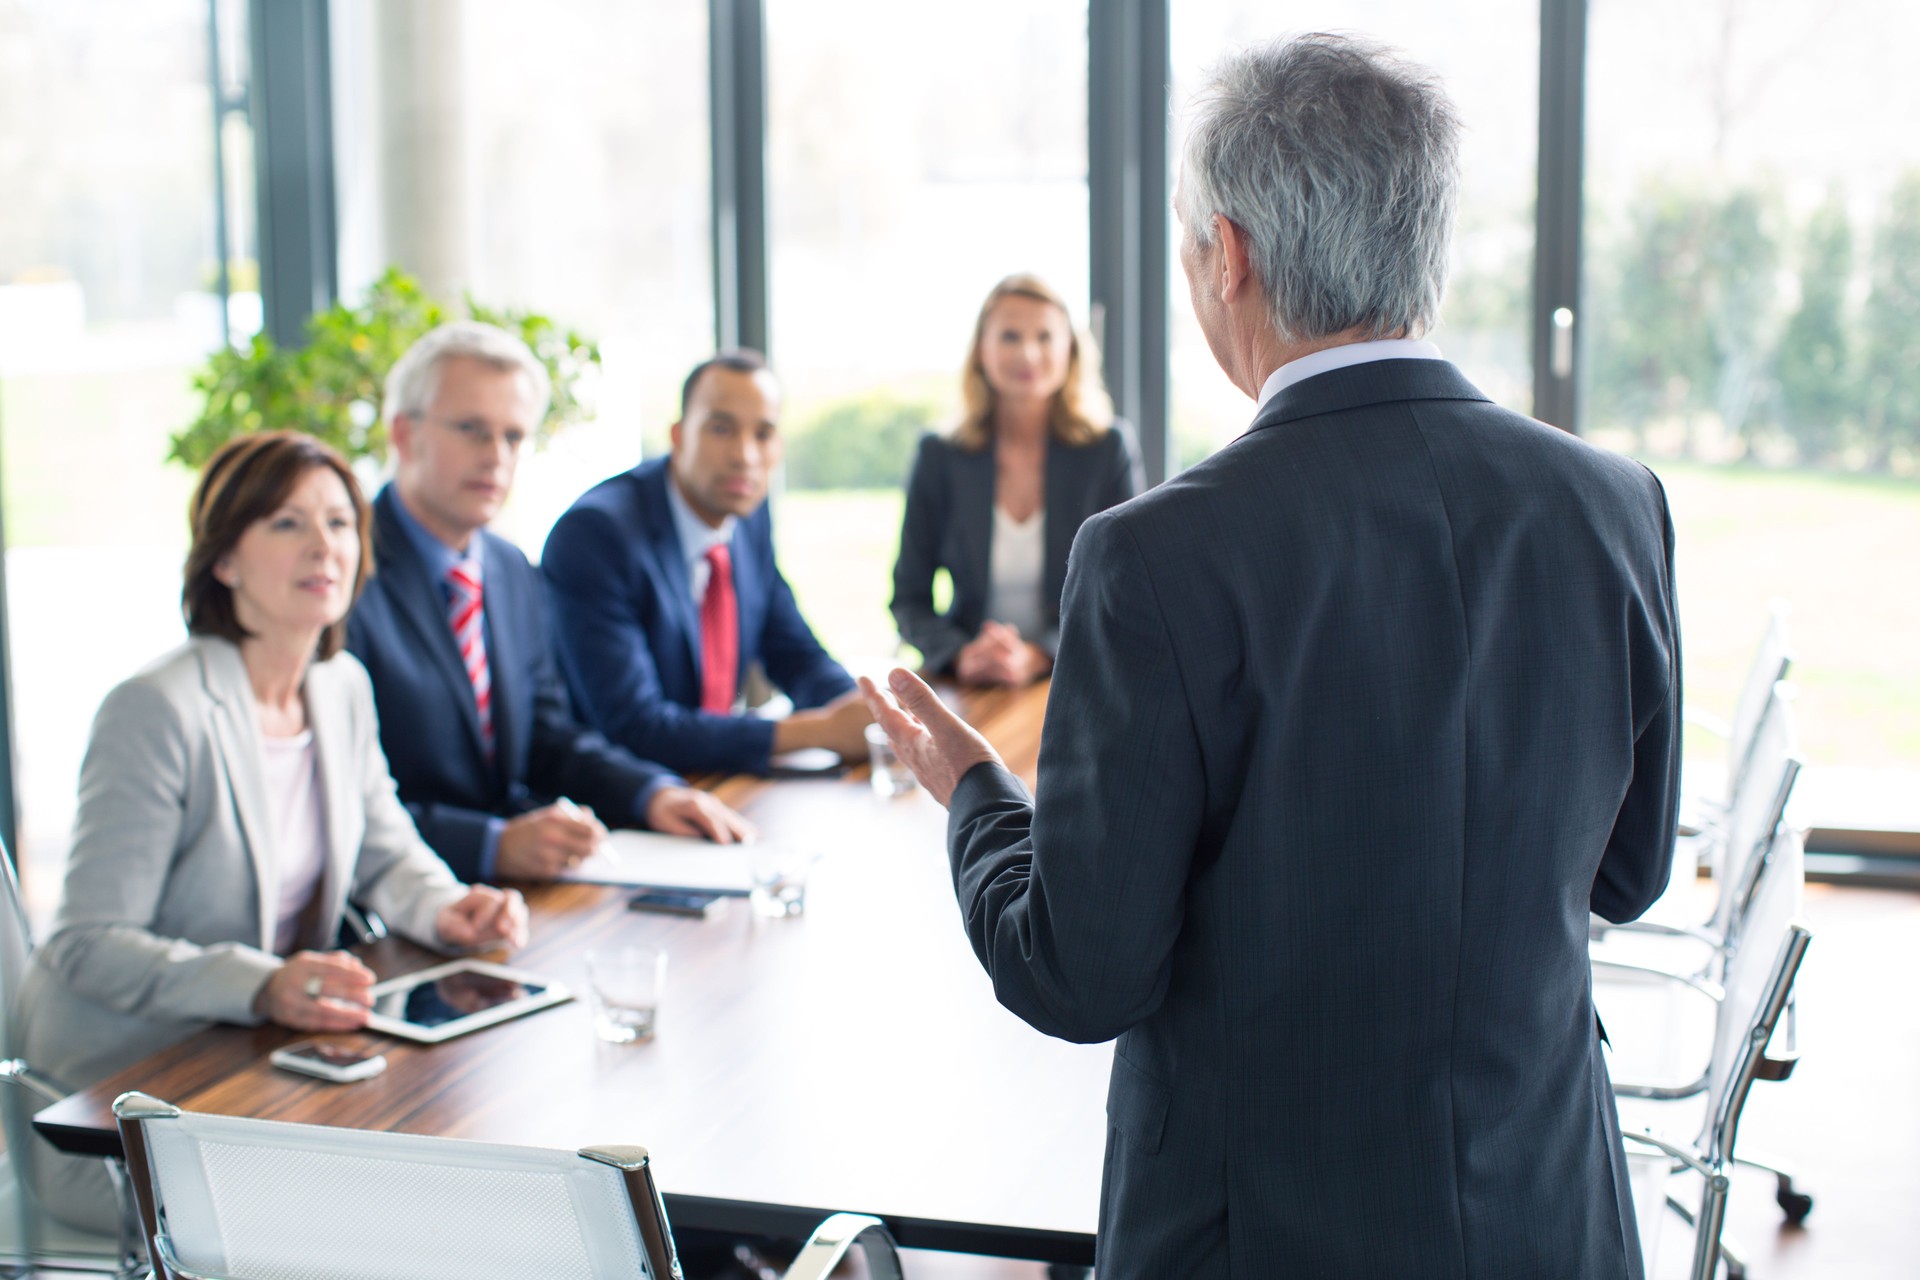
x: 997, y: 501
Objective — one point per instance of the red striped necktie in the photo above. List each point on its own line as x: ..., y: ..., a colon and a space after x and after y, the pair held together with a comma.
x: 465, y: 613
x: 719, y: 634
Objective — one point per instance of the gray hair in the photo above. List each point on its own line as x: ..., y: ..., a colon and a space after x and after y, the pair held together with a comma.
x: 414, y: 379
x: 1340, y: 163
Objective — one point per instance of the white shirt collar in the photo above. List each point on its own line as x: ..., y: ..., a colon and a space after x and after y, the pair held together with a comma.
x: 1331, y: 358
x: 696, y: 535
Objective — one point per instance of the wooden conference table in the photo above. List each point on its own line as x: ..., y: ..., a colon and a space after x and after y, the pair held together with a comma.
x: 851, y: 1058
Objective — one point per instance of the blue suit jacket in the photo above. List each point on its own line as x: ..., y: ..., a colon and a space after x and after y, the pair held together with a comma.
x: 429, y: 726
x: 1352, y: 724
x: 628, y: 633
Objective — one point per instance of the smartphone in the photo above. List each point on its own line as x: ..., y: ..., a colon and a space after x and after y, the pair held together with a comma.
x: 339, y: 1063
x: 675, y: 902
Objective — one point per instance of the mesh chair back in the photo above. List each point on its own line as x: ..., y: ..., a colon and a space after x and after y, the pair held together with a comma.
x: 1771, y: 662
x: 1759, y: 980
x: 16, y: 948
x: 261, y: 1200
x: 1756, y: 810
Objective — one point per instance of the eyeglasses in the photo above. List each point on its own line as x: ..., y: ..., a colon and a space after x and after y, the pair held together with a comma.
x: 481, y: 434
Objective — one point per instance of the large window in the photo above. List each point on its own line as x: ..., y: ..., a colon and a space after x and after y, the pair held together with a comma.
x: 916, y: 155
x: 1752, y: 328
x: 109, y: 298
x: 1490, y: 68
x: 550, y: 157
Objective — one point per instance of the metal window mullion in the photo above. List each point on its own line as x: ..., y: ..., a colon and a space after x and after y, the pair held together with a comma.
x: 290, y: 102
x: 1129, y: 70
x: 1557, y: 212
x: 737, y: 42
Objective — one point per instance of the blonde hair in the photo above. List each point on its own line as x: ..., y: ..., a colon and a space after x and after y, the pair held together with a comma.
x: 1081, y: 412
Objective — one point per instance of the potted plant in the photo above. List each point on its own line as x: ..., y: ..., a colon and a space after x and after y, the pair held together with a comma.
x: 332, y: 387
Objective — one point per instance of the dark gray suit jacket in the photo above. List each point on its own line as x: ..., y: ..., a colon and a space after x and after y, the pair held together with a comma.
x: 1352, y: 724
x: 949, y: 525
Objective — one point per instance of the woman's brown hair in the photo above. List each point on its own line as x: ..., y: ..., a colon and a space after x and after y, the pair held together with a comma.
x: 248, y: 480
x: 1081, y: 412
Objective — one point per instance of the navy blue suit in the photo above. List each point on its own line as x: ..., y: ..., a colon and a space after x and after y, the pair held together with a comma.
x: 1352, y: 723
x: 628, y: 632
x: 429, y: 726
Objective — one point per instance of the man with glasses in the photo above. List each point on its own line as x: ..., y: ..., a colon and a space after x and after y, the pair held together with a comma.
x: 501, y: 779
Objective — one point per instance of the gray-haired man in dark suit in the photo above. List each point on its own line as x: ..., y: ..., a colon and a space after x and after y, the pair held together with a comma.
x: 1351, y: 725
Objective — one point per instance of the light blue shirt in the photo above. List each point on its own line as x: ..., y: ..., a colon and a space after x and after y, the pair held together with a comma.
x: 1331, y: 358
x: 697, y: 537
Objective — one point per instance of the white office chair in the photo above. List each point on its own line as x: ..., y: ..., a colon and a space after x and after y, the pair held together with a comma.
x: 223, y: 1198
x: 31, y: 1241
x: 1772, y: 660
x: 1667, y: 938
x: 1757, y: 998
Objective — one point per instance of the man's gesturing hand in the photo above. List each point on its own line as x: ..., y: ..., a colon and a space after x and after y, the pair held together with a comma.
x: 935, y: 743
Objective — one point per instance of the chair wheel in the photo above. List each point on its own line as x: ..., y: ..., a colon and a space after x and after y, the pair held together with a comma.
x: 1794, y: 1204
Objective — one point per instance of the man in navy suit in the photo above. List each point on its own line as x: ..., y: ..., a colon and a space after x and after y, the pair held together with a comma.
x: 665, y: 592
x: 501, y: 779
x: 1351, y: 725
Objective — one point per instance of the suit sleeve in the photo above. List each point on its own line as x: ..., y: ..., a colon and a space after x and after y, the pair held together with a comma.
x: 1638, y: 860
x: 922, y: 527
x: 564, y: 757
x: 795, y: 660
x: 462, y: 837
x: 597, y: 628
x: 1074, y: 908
x: 395, y: 873
x: 134, y: 786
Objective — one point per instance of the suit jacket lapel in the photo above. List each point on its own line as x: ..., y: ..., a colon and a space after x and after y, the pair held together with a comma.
x: 1062, y: 479
x: 751, y: 576
x: 973, y: 527
x: 416, y: 597
x: 237, y: 729
x: 503, y: 603
x: 327, y: 714
x: 664, y: 541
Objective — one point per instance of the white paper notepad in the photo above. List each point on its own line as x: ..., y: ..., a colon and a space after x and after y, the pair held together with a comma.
x: 646, y: 858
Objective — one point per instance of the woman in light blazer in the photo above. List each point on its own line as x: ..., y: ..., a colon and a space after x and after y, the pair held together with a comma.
x: 998, y: 502
x: 232, y: 799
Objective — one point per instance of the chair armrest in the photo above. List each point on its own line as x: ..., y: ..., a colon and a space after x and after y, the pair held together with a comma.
x: 1713, y: 724
x: 832, y: 1239
x: 1681, y: 1154
x: 1711, y: 990
x: 14, y: 1071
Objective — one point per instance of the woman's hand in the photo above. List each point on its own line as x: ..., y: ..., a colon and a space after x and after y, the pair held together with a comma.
x: 485, y: 916
x: 317, y: 991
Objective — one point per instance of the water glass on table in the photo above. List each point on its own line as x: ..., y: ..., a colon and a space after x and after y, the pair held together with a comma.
x: 891, y: 776
x: 778, y: 878
x: 625, y: 984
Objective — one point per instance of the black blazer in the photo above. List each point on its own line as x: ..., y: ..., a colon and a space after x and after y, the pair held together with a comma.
x: 1352, y: 724
x: 949, y: 525
x: 429, y: 726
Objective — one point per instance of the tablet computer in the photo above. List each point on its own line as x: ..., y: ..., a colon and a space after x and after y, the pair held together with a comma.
x: 452, y: 999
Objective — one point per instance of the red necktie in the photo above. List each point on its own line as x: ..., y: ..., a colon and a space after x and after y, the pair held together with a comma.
x: 719, y: 634
x: 464, y: 613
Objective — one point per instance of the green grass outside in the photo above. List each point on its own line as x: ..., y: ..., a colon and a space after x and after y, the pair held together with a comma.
x: 1841, y: 549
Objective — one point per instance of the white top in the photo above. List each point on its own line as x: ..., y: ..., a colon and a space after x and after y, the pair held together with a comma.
x: 1017, y: 574
x: 1331, y: 358
x: 291, y: 778
x: 697, y: 537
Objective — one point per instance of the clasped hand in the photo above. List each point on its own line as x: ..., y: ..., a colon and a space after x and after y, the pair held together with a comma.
x: 998, y: 655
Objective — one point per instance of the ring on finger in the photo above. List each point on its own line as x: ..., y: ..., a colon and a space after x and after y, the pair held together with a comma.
x: 313, y: 987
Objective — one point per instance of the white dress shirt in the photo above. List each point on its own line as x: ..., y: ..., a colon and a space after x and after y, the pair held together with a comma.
x: 1331, y: 358
x: 697, y: 537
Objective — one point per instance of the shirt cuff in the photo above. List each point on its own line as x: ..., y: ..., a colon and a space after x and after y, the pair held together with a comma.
x: 644, y: 799
x: 490, y: 847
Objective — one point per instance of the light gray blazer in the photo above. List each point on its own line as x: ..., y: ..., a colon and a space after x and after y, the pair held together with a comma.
x: 167, y: 919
